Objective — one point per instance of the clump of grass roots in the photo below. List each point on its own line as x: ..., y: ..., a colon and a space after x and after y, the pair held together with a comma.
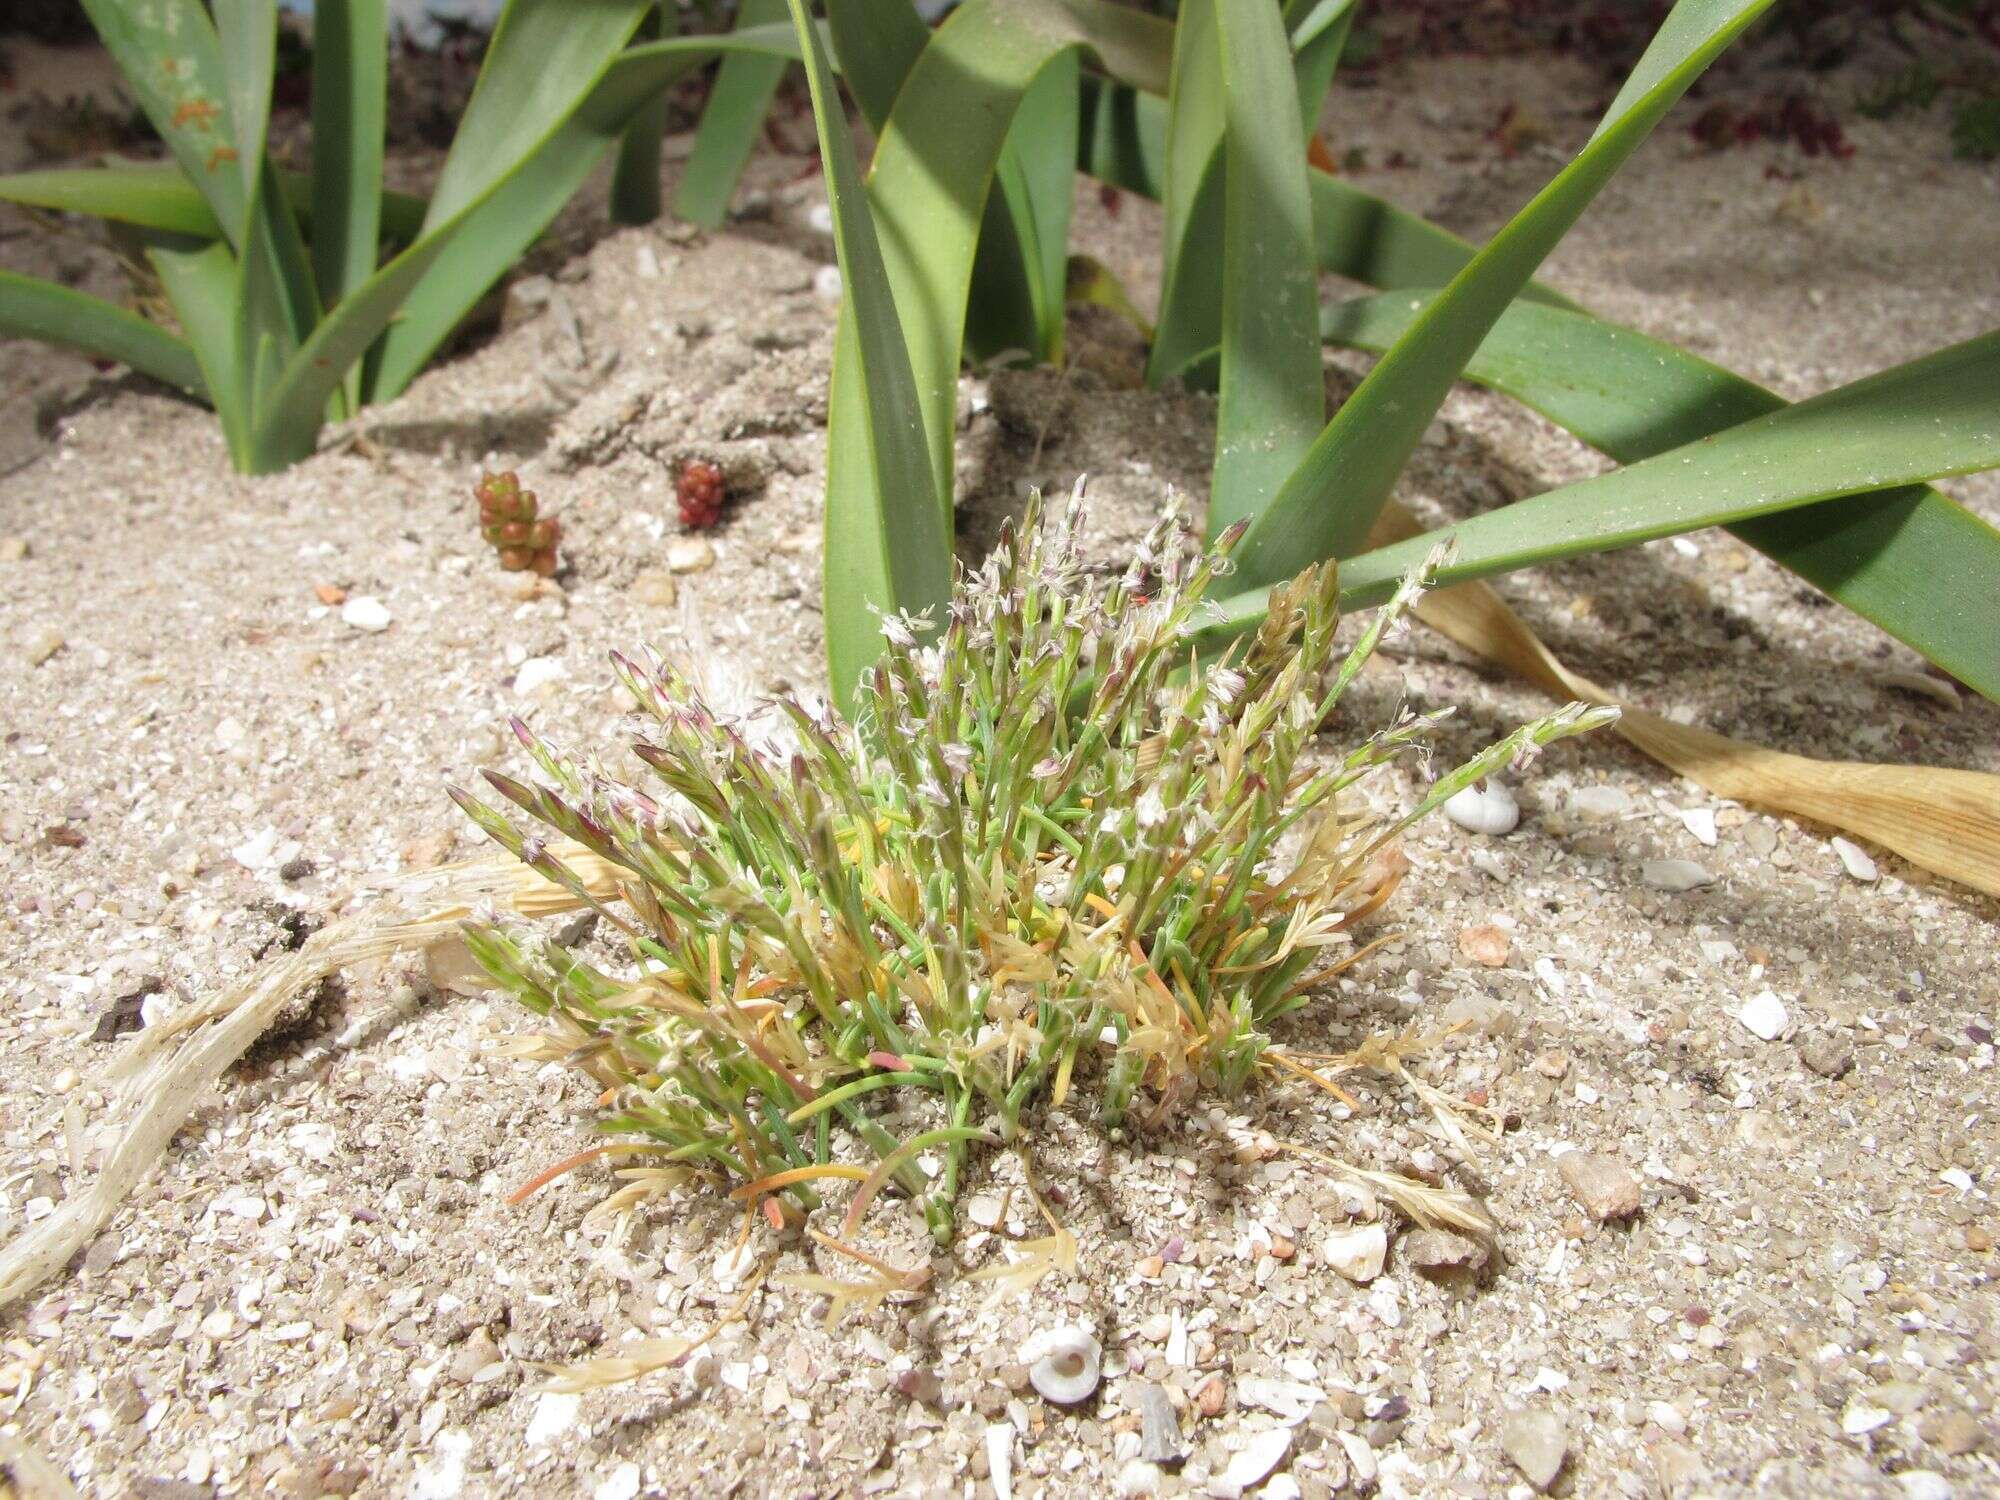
x: 1053, y: 855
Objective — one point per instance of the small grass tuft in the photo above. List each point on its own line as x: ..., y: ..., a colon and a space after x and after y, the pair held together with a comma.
x: 1054, y: 853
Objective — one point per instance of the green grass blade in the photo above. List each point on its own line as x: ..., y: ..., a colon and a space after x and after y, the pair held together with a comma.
x: 635, y: 178
x: 1272, y: 392
x: 246, y: 32
x: 1326, y: 508
x: 349, y: 118
x: 51, y: 314
x: 1912, y: 561
x: 187, y: 102
x: 202, y: 286
x: 1923, y: 420
x: 888, y: 539
x: 745, y: 85
x: 159, y: 197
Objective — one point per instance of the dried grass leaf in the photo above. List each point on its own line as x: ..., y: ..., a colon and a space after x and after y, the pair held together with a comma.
x: 1947, y: 821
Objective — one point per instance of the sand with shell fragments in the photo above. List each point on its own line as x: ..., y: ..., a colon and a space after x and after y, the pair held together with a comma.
x: 323, y: 1291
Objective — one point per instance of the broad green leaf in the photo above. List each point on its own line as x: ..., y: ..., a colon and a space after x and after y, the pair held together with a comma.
x: 936, y: 158
x: 1355, y: 233
x: 544, y: 59
x: 1912, y: 561
x: 745, y: 85
x: 349, y: 121
x: 1018, y: 271
x: 279, y: 302
x: 1329, y: 503
x: 523, y: 132
x: 888, y: 538
x: 1319, y: 31
x: 490, y: 238
x: 51, y: 314
x: 635, y: 179
x: 202, y: 286
x: 1923, y: 420
x: 877, y: 43
x: 1272, y: 401
x: 1191, y: 199
x: 172, y: 62
x: 159, y: 197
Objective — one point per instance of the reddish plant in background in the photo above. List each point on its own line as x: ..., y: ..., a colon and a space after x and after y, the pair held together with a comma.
x: 508, y: 522
x: 700, y: 491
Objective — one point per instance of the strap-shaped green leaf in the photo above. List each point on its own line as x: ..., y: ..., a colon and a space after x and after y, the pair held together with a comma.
x: 478, y: 249
x: 1919, y: 421
x: 1018, y: 271
x: 888, y: 538
x: 1319, y: 31
x: 168, y: 52
x: 1914, y: 562
x: 745, y: 85
x: 202, y: 285
x: 159, y: 197
x: 544, y: 59
x: 635, y: 177
x: 349, y: 121
x: 1327, y: 506
x: 51, y: 314
x: 1272, y: 402
x: 1355, y: 234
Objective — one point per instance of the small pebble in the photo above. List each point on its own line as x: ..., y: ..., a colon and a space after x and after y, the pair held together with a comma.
x: 1674, y: 875
x: 1764, y: 1016
x: 690, y: 554
x: 1159, y: 1429
x: 1856, y: 861
x: 1356, y: 1253
x: 826, y: 283
x: 1924, y: 1484
x: 42, y: 645
x: 537, y: 672
x: 13, y: 548
x: 1700, y: 824
x: 1437, y: 1250
x: 1597, y: 804
x: 1484, y: 807
x: 365, y: 612
x: 1000, y: 1459
x: 1536, y: 1443
x: 1211, y: 1396
x: 656, y: 587
x: 1485, y: 944
x: 1827, y: 1053
x: 1602, y: 1185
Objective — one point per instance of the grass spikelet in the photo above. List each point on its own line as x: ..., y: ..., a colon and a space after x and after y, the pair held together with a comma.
x: 1041, y: 866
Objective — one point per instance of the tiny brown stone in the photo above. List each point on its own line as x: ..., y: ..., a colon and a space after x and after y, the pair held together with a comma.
x: 1439, y: 1250
x: 1211, y: 1396
x: 1485, y: 945
x: 1602, y: 1185
x: 1150, y: 1267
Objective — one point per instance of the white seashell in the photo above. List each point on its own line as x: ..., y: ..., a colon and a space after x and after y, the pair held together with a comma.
x: 1484, y: 807
x: 1064, y: 1364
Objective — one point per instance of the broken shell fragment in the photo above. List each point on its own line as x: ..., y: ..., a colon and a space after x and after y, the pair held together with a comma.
x: 1063, y: 1364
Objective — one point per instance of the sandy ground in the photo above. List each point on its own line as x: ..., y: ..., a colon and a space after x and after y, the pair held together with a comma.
x: 323, y: 1290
